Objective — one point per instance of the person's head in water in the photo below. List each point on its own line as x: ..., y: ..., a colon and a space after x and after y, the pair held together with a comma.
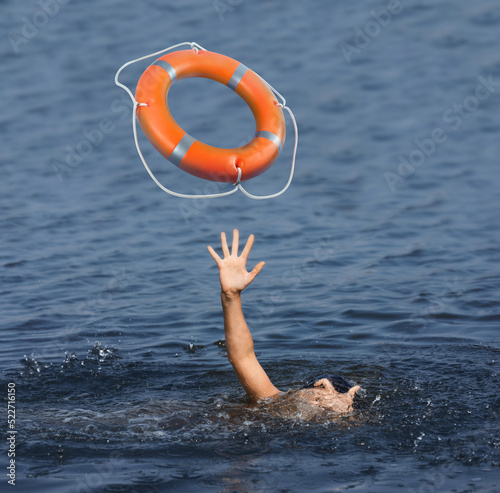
x: 330, y: 392
x: 339, y: 383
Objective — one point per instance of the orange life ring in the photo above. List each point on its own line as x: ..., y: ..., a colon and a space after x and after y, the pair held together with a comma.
x: 191, y: 155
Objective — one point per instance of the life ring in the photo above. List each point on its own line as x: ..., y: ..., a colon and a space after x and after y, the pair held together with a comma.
x: 191, y: 155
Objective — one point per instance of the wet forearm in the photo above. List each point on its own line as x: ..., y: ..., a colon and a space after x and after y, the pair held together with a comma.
x: 239, y: 341
x: 240, y: 351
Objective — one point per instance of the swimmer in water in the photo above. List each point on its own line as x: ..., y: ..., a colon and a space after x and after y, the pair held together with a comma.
x: 234, y: 278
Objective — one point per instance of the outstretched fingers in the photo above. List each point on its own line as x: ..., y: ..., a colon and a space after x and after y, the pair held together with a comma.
x: 214, y: 255
x: 236, y: 242
x: 248, y: 247
x: 234, y: 250
x: 223, y: 240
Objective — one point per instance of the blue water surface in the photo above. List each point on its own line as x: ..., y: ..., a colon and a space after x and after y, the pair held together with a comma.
x: 382, y: 259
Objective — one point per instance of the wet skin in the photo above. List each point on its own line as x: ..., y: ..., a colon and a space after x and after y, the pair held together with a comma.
x: 325, y: 396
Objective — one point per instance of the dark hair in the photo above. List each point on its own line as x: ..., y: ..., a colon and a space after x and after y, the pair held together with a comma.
x: 340, y: 384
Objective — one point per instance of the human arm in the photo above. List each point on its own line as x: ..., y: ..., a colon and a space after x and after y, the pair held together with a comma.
x: 234, y: 278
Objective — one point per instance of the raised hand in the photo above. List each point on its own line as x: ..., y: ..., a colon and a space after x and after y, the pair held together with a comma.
x: 234, y: 276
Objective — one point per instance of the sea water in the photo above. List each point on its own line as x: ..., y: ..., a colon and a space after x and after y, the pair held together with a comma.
x: 381, y: 259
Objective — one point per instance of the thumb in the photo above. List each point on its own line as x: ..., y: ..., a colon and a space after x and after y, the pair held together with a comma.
x: 256, y: 270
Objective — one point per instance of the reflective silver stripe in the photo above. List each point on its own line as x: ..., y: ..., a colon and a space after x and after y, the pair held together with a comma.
x: 180, y: 149
x: 237, y: 76
x: 168, y: 68
x: 272, y: 137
